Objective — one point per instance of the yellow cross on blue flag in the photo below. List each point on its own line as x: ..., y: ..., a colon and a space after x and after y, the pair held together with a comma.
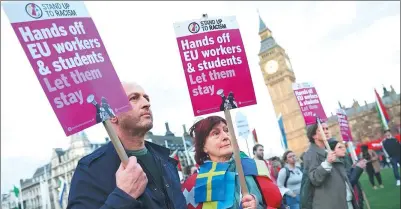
x: 210, y: 182
x: 228, y: 201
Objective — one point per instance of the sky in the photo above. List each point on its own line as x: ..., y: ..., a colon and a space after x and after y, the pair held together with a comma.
x: 346, y: 49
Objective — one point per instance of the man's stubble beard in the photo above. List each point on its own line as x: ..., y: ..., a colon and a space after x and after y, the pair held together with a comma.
x: 259, y: 157
x: 134, y: 127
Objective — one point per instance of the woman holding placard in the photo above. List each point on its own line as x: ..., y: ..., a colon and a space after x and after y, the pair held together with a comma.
x: 214, y: 155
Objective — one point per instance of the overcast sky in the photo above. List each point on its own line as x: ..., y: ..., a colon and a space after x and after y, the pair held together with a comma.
x: 344, y: 48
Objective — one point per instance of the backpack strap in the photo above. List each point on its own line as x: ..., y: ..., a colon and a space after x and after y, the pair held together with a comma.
x: 287, y: 176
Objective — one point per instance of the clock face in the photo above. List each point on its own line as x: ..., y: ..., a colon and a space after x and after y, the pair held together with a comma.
x: 271, y: 67
x: 287, y: 62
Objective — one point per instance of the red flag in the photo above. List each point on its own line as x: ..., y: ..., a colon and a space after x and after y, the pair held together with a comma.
x: 179, y: 164
x: 255, y: 137
x: 381, y: 110
x: 270, y: 191
x: 188, y: 189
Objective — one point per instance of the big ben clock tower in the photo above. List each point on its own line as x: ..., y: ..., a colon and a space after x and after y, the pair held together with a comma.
x: 279, y: 76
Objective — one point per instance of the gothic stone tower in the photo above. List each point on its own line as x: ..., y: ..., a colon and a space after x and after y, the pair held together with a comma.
x: 279, y: 76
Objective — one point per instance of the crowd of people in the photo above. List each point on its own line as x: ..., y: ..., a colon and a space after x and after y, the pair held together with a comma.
x: 326, y: 178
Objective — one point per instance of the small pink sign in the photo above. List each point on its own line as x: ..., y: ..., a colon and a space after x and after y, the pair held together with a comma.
x: 344, y: 126
x: 70, y: 61
x: 309, y: 102
x: 215, y: 65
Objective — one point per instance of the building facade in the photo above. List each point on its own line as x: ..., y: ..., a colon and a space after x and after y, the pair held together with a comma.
x: 35, y: 191
x: 7, y: 201
x: 42, y: 191
x: 63, y: 164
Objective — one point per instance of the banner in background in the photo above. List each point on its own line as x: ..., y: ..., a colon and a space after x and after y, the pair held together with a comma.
x: 309, y: 102
x: 345, y: 130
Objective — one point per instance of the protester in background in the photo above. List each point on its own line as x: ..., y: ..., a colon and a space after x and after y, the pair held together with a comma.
x: 372, y: 166
x: 150, y: 179
x: 277, y: 165
x: 327, y: 181
x: 258, y: 152
x: 289, y: 181
x: 391, y: 148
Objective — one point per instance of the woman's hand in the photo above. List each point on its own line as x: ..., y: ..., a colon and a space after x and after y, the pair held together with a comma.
x: 248, y: 202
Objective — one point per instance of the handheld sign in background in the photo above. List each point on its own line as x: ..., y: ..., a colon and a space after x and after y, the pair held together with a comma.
x: 344, y: 126
x: 215, y: 64
x: 70, y: 61
x: 241, y: 122
x: 309, y: 102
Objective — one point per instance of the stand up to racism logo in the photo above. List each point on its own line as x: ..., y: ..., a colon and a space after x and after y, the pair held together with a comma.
x: 33, y: 10
x: 193, y: 27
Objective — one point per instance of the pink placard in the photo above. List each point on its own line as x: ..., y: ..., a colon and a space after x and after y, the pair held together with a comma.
x: 70, y: 61
x: 344, y: 125
x: 309, y: 102
x: 215, y: 65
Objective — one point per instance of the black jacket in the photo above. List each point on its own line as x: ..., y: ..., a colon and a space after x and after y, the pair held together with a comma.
x: 93, y: 185
x: 392, y: 147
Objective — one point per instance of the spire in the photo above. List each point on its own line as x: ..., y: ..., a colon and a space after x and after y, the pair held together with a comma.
x: 262, y: 25
x: 185, y: 130
x: 356, y: 104
x: 392, y: 90
x: 340, y: 105
x: 385, y: 92
x: 168, y: 132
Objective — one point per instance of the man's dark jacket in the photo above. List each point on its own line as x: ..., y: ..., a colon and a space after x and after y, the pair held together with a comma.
x: 93, y: 185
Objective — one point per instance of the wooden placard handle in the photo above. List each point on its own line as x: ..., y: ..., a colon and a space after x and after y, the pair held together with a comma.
x: 116, y: 142
x: 238, y: 165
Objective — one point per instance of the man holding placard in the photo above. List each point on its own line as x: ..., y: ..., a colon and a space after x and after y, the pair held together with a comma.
x: 150, y: 178
x: 70, y: 61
